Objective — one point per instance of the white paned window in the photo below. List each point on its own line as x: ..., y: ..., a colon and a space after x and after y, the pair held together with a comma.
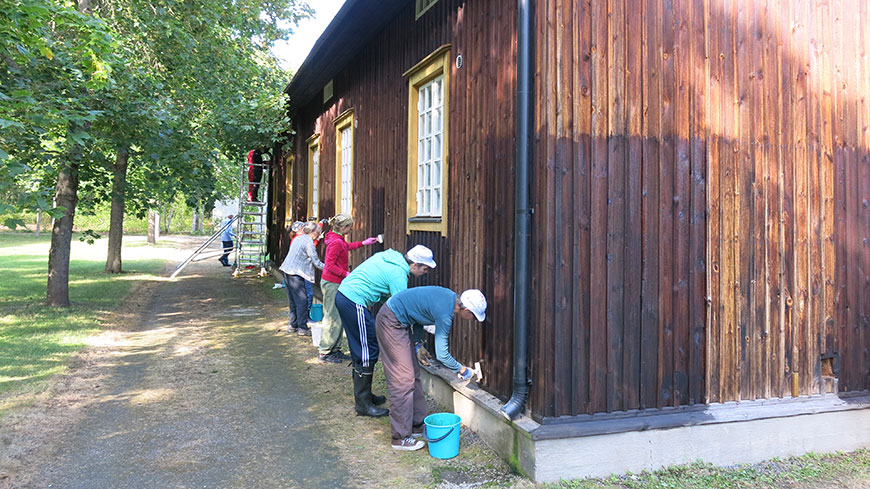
x: 430, y: 132
x: 346, y: 169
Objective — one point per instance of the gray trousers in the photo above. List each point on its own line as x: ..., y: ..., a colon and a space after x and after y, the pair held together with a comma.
x: 407, y: 403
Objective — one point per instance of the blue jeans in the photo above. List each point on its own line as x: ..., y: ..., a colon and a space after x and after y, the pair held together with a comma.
x: 298, y: 304
x: 309, y: 293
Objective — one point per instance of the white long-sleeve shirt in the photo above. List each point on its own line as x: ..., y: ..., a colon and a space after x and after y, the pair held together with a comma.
x: 302, y: 258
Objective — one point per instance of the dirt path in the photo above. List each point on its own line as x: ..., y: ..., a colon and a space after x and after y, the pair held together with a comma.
x: 197, y: 385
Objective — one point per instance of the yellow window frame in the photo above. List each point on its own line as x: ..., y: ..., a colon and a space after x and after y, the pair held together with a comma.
x: 288, y: 191
x: 313, y: 149
x: 342, y: 122
x: 432, y: 66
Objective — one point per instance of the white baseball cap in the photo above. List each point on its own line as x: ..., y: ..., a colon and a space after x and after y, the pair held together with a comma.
x: 421, y: 254
x: 474, y: 301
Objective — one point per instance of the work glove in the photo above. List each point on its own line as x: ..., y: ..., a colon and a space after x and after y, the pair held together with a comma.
x: 467, y: 375
x: 369, y: 241
x: 423, y: 355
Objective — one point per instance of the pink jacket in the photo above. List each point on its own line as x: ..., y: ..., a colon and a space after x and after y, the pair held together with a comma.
x: 335, y: 261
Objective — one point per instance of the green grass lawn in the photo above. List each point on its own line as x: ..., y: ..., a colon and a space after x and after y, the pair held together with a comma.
x: 832, y: 470
x: 36, y: 341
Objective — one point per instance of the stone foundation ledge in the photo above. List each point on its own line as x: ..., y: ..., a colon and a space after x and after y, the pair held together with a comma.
x: 633, y: 441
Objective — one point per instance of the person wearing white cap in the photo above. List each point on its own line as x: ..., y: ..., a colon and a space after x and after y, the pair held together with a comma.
x: 384, y: 274
x: 402, y: 312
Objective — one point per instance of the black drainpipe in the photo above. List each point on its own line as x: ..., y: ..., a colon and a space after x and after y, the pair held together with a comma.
x: 523, y: 217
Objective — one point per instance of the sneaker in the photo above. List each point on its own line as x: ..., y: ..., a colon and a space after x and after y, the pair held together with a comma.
x: 408, y: 443
x: 303, y: 331
x: 417, y: 431
x: 340, y: 355
x: 328, y: 358
x: 291, y: 329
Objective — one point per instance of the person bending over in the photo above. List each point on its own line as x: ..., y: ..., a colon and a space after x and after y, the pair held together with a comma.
x: 418, y: 306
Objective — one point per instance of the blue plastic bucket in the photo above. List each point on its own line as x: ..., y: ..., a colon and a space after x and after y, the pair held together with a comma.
x: 316, y: 313
x: 442, y: 433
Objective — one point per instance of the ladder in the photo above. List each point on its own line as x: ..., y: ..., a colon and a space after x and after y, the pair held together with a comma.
x: 252, y: 229
x: 203, y: 250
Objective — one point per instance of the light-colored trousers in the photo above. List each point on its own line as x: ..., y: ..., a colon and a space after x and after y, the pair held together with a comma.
x: 330, y: 334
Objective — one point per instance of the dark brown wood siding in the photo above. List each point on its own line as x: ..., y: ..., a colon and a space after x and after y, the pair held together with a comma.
x: 701, y: 189
x: 702, y: 183
x: 477, y: 251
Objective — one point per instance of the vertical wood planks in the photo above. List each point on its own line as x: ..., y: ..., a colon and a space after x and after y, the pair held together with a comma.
x: 598, y: 252
x: 616, y: 148
x: 701, y: 173
x: 649, y: 321
x: 633, y: 244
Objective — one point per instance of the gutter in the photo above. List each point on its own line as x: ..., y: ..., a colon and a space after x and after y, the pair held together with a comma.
x: 524, y: 211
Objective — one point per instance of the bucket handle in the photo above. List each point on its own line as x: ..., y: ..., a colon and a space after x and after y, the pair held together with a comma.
x: 436, y: 440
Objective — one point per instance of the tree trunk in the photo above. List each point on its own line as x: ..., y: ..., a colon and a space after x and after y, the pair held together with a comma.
x: 153, y: 226
x: 116, y: 221
x: 38, y: 223
x: 66, y: 196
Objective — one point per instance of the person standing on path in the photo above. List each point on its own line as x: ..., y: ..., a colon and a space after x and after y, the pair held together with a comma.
x: 227, y: 236
x: 298, y: 267
x: 334, y: 271
x: 381, y: 276
x: 403, y: 311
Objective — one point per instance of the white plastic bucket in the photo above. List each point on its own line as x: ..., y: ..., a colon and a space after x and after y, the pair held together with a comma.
x: 316, y: 329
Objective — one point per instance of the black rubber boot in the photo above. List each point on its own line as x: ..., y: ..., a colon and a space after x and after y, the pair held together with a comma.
x: 378, y: 400
x: 362, y: 394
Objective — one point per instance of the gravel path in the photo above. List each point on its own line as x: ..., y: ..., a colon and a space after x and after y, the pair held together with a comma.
x: 199, y: 395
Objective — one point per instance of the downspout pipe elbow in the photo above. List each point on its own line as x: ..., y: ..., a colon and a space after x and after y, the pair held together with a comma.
x: 514, y: 406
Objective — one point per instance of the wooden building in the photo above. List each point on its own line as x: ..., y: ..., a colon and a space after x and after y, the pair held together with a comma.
x: 700, y: 186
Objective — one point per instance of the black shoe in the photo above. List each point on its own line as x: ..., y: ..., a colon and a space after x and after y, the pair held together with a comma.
x: 340, y: 355
x: 328, y: 358
x: 362, y: 394
x: 378, y: 400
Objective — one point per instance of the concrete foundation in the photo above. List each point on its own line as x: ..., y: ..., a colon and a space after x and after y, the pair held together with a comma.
x: 600, y: 445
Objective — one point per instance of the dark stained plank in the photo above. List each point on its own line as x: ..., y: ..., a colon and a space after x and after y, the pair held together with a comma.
x: 564, y: 204
x: 698, y: 262
x: 649, y: 357
x: 598, y: 270
x: 632, y: 342
x: 616, y: 155
x: 666, y: 209
x: 582, y: 204
x: 681, y: 202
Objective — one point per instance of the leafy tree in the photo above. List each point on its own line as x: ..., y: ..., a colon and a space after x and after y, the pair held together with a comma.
x: 161, y: 98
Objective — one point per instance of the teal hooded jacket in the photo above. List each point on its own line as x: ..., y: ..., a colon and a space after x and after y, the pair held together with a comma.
x: 381, y: 276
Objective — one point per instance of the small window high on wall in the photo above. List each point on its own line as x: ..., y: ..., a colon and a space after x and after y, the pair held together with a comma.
x: 428, y: 103
x: 423, y: 6
x: 344, y: 162
x: 313, y: 176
